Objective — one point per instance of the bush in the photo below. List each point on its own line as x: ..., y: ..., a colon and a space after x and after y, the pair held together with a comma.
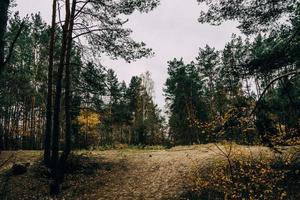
x: 237, y: 177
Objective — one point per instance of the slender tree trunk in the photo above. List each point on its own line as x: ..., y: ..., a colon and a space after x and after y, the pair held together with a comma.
x: 57, y: 103
x: 248, y: 87
x: 67, y: 148
x: 48, y: 131
x: 32, y: 124
x: 1, y: 133
x: 7, y: 129
x: 56, y: 168
x: 4, y: 4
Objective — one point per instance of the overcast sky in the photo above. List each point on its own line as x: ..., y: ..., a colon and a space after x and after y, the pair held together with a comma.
x: 171, y: 30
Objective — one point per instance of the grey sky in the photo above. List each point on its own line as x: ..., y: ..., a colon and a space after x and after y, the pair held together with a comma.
x: 171, y: 30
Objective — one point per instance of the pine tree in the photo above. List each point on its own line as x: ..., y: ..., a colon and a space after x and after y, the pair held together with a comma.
x: 208, y: 67
x: 184, y: 92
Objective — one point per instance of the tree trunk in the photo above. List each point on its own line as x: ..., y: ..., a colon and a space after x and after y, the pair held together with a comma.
x: 48, y: 131
x: 4, y: 4
x: 67, y: 148
x: 6, y: 124
x: 58, y: 166
x: 57, y: 104
x: 1, y: 133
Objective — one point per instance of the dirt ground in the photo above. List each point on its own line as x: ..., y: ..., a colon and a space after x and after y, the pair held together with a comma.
x: 114, y: 174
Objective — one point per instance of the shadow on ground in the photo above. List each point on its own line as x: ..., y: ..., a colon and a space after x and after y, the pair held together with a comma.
x: 84, y: 174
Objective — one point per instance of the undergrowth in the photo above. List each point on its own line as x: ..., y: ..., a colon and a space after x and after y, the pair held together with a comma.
x: 251, y: 176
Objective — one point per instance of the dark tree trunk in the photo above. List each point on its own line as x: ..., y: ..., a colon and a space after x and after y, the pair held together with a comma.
x: 48, y: 131
x: 67, y: 148
x: 6, y: 128
x: 68, y: 81
x: 4, y: 4
x: 56, y: 165
x: 57, y: 103
x: 1, y: 133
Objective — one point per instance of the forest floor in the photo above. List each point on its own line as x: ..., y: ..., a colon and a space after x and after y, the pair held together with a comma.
x: 115, y: 174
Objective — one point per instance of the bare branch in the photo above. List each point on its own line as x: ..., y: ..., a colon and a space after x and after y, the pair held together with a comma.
x: 80, y: 9
x: 59, y: 15
x: 296, y: 72
x: 11, y: 48
x: 91, y: 31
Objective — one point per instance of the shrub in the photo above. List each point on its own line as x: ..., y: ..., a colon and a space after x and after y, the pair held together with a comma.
x: 246, y: 177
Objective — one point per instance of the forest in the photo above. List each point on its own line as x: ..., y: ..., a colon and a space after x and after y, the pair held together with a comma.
x: 69, y: 125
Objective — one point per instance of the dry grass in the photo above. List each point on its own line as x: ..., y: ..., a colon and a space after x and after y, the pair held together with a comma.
x: 119, y: 174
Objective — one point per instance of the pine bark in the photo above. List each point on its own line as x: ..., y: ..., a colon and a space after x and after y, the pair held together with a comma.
x: 48, y: 131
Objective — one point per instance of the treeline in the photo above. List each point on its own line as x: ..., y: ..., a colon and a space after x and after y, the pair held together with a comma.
x: 121, y: 115
x: 209, y: 97
x: 249, y: 92
x: 104, y: 111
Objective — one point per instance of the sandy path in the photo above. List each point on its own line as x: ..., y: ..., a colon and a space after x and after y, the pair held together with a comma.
x: 151, y: 175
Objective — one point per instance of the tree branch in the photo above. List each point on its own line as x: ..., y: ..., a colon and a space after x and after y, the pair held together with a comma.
x: 11, y: 48
x: 295, y: 72
x: 79, y: 11
x: 91, y: 31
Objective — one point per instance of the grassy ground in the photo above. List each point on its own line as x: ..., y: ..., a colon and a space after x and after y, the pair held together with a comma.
x: 128, y: 173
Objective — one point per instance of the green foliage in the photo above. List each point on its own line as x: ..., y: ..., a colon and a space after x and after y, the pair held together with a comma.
x: 128, y: 114
x: 147, y: 124
x: 247, y: 64
x: 102, y: 24
x: 23, y: 90
x: 207, y: 99
x: 22, y: 87
x: 253, y: 16
x: 183, y: 93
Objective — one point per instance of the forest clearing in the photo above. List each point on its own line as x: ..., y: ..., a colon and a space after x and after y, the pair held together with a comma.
x: 150, y: 99
x: 128, y: 173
